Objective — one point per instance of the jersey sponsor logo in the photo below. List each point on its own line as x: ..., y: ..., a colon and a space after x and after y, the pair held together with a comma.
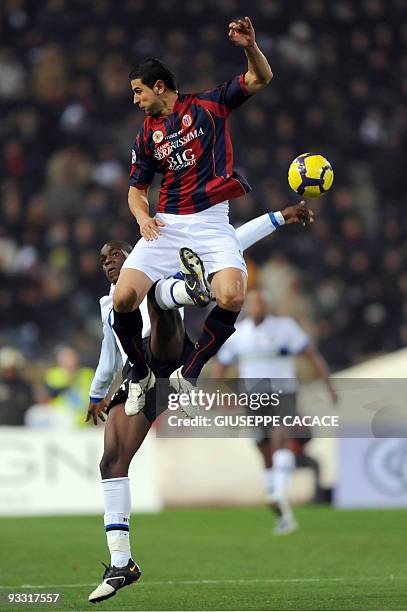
x: 173, y: 135
x: 187, y: 120
x: 181, y: 160
x: 158, y: 136
x: 133, y: 156
x: 164, y: 150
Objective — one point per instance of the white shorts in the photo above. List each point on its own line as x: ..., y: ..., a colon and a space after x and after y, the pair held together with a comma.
x: 208, y: 233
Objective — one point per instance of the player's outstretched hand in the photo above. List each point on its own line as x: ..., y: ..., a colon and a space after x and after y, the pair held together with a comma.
x: 299, y: 213
x: 95, y: 410
x: 149, y: 228
x: 241, y: 32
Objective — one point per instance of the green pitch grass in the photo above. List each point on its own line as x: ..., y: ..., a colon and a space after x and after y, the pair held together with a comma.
x: 223, y: 559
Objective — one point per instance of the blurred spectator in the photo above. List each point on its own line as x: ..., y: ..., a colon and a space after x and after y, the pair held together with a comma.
x: 16, y: 395
x: 68, y: 384
x: 12, y: 75
x: 297, y: 49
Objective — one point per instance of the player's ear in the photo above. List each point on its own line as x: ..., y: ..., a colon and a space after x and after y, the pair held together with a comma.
x: 159, y: 87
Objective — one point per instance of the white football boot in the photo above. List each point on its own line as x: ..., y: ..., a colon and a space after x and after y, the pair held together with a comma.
x: 136, y: 399
x: 182, y: 386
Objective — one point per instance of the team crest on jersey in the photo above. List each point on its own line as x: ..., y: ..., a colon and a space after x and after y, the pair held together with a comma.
x: 186, y: 120
x: 158, y: 136
x: 133, y: 156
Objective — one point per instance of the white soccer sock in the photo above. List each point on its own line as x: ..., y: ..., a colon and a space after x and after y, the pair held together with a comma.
x: 117, y: 519
x: 268, y: 480
x: 259, y: 228
x: 283, y: 467
x: 170, y: 293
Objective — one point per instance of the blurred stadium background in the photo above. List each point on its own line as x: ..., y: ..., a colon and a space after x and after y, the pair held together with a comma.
x: 66, y: 127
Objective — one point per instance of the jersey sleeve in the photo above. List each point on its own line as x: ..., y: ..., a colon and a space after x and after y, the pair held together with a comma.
x: 143, y: 164
x: 226, y: 97
x: 228, y: 354
x: 297, y: 340
x: 110, y: 362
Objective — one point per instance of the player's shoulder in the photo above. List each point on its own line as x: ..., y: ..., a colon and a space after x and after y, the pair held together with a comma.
x: 185, y: 101
x: 282, y: 321
x: 187, y: 98
x: 146, y: 127
x: 199, y: 98
x: 104, y: 300
x: 289, y: 325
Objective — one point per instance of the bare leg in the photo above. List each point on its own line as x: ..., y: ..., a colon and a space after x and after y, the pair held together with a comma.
x: 264, y: 448
x: 131, y: 289
x: 123, y: 437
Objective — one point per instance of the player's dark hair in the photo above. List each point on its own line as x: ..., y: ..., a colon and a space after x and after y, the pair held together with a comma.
x: 151, y: 70
x: 122, y: 244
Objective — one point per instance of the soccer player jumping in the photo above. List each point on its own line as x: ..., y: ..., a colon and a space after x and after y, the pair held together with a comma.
x: 185, y: 137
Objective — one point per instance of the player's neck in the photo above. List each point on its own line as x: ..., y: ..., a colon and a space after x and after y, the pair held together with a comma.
x: 169, y: 100
x: 258, y: 320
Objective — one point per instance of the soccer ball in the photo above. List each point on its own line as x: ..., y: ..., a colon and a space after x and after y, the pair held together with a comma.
x: 310, y: 175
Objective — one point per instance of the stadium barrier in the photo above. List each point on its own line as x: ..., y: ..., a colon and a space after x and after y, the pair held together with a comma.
x: 44, y: 472
x: 372, y: 472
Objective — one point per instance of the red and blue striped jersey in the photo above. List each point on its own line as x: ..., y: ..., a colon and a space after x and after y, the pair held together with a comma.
x: 192, y: 149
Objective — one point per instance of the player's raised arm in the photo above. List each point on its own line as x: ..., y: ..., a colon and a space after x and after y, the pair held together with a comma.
x: 259, y: 74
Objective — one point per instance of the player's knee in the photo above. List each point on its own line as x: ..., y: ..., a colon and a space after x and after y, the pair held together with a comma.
x: 125, y: 300
x: 230, y: 299
x: 115, y: 463
x: 108, y: 464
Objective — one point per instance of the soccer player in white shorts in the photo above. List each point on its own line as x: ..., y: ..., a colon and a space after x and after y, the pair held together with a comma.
x: 186, y: 138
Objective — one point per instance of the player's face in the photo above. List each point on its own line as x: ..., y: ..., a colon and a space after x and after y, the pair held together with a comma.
x: 145, y: 98
x: 112, y: 258
x: 256, y: 307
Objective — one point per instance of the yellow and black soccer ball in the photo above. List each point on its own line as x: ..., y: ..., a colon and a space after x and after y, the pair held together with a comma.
x: 310, y: 175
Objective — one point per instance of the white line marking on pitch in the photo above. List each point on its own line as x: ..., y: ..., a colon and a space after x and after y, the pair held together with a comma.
x: 210, y: 581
